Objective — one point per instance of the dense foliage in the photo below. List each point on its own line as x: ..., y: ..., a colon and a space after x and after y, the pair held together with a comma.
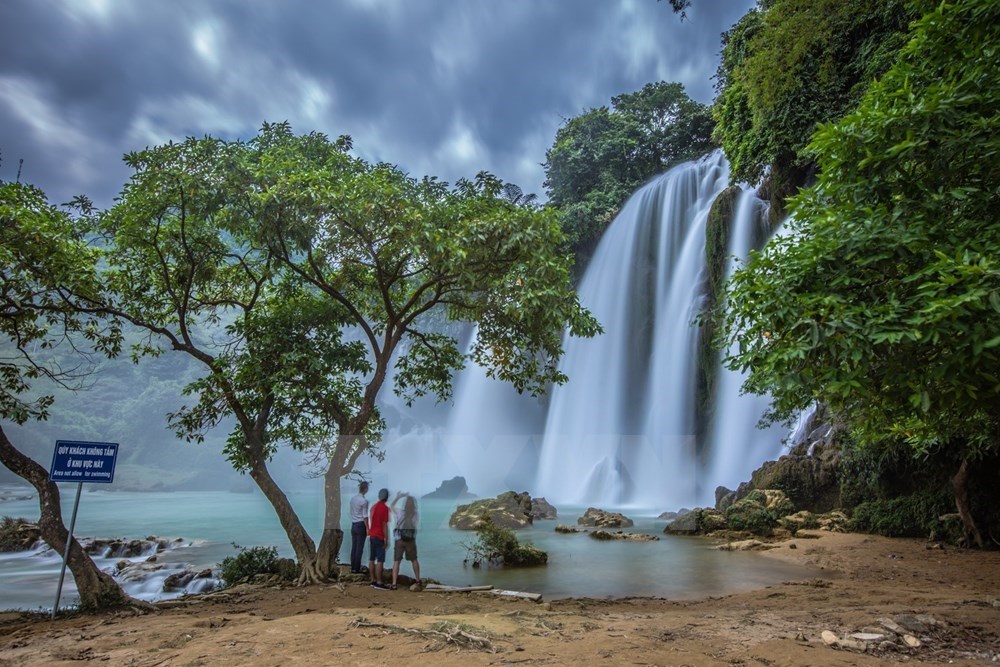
x: 46, y: 334
x: 254, y: 258
x: 883, y: 299
x: 601, y: 156
x: 252, y: 561
x: 790, y: 64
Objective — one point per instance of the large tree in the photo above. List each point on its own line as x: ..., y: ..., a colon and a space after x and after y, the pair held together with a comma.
x: 253, y: 258
x: 45, y: 337
x: 392, y: 251
x: 883, y: 301
x: 600, y: 157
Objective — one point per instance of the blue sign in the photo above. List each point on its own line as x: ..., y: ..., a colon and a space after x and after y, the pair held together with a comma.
x: 75, y: 461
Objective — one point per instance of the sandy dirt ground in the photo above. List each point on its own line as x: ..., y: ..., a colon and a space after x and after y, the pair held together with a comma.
x: 947, y: 597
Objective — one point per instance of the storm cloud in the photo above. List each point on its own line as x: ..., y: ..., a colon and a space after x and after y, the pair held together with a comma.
x: 438, y: 87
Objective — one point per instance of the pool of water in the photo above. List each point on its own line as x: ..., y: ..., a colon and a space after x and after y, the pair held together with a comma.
x: 210, y: 521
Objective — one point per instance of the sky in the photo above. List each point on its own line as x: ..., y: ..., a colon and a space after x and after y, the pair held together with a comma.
x: 438, y: 87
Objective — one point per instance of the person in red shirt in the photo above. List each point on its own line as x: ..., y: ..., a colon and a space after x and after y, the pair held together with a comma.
x: 378, y: 533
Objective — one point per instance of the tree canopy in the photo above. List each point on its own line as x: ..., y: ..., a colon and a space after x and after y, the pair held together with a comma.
x: 883, y: 300
x: 600, y: 157
x: 47, y: 337
x: 266, y: 260
x: 788, y: 65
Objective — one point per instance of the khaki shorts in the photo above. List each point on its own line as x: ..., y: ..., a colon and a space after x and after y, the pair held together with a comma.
x: 401, y: 548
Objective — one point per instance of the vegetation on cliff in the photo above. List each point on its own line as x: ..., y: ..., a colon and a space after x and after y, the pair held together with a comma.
x: 882, y: 301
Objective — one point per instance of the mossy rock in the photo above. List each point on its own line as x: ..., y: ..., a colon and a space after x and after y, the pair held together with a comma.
x: 802, y: 520
x: 774, y: 500
x: 508, y: 510
x: 527, y: 554
x: 752, y: 516
x: 18, y: 534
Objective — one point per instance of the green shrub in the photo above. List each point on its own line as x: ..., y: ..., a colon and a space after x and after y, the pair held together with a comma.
x: 914, y: 515
x: 251, y: 561
x: 495, y: 545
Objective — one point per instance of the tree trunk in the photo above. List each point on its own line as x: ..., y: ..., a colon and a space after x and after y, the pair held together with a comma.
x: 333, y: 536
x: 302, y: 544
x: 960, y: 482
x: 98, y: 590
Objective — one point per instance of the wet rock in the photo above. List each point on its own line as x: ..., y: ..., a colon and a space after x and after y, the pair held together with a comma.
x: 669, y: 516
x: 699, y: 521
x: 541, y: 509
x: 603, y: 519
x: 178, y: 581
x: 563, y: 528
x: 508, y: 510
x: 18, y: 534
x: 724, y: 498
x: 621, y: 535
x: 451, y: 489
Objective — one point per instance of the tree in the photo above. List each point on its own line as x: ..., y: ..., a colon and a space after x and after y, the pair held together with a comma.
x: 791, y: 64
x: 601, y: 156
x: 40, y: 258
x: 883, y: 300
x: 252, y: 257
x: 393, y: 251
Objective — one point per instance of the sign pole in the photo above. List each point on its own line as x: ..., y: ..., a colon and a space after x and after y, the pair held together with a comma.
x: 69, y: 542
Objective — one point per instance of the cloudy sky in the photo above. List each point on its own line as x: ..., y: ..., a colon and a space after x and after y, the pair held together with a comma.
x: 440, y: 87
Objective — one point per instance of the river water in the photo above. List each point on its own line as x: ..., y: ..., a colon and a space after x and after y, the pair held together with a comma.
x: 210, y: 521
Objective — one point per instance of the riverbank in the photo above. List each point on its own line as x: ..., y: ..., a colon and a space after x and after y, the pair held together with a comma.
x: 953, y: 593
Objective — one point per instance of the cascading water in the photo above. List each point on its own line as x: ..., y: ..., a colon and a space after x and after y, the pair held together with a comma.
x: 621, y: 432
x: 735, y: 446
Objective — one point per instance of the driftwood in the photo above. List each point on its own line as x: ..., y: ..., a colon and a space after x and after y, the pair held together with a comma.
x: 534, y: 597
x: 457, y: 589
x: 447, y: 633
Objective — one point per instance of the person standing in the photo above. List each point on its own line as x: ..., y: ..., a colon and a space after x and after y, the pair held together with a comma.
x: 378, y: 531
x: 405, y: 536
x: 359, y: 527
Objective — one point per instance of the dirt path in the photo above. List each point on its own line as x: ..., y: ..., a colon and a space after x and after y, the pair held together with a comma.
x: 952, y: 594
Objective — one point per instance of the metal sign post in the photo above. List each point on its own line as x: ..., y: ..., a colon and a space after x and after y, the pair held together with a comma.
x: 75, y: 461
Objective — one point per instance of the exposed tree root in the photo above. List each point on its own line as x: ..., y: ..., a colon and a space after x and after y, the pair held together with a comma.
x: 447, y: 633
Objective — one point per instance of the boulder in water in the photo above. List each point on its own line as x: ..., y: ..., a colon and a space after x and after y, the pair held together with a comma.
x: 508, y: 510
x: 622, y: 535
x: 699, y: 521
x: 599, y: 518
x: 542, y: 509
x: 563, y: 528
x: 18, y: 534
x: 668, y: 516
x: 451, y: 489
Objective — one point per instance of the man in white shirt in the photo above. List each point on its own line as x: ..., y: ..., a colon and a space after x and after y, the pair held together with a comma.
x: 359, y: 527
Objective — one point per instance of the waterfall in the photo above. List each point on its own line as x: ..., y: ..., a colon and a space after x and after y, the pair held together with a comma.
x: 621, y: 431
x: 736, y: 448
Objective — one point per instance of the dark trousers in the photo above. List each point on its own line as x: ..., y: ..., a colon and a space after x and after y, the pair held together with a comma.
x: 358, y: 535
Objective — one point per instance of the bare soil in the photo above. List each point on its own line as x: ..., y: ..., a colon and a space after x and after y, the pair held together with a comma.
x: 864, y: 579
